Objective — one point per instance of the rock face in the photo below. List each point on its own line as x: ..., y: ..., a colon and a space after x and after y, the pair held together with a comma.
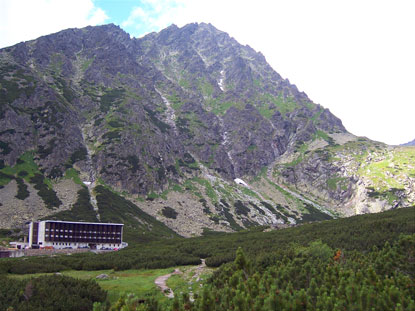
x: 183, y: 110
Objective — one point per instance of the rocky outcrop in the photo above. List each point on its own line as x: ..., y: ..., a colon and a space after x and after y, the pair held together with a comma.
x: 144, y: 116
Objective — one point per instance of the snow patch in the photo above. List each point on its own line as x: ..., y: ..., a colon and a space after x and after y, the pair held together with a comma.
x: 240, y: 182
x: 221, y: 79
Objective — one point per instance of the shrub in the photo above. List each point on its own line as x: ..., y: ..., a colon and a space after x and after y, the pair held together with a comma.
x: 169, y: 212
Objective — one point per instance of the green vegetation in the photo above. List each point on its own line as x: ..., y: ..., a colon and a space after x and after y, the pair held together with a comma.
x: 334, y: 182
x: 111, y: 97
x: 14, y: 83
x: 356, y: 258
x: 114, y: 208
x: 219, y: 107
x: 324, y: 136
x: 24, y: 164
x: 241, y: 209
x: 118, y: 283
x: 79, y: 155
x: 22, y: 192
x: 313, y: 214
x: 82, y: 210
x: 49, y: 293
x: 205, y: 87
x: 210, y: 192
x: 249, y: 192
x: 283, y: 105
x: 387, y: 171
x: 47, y: 194
x: 169, y: 212
x: 5, y: 148
x: 86, y: 63
x: 164, y: 127
x: 316, y: 277
x: 301, y: 150
x: 26, y: 169
x: 175, y: 101
x: 73, y: 174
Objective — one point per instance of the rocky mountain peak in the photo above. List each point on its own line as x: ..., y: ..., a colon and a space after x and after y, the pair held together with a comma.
x: 187, y: 108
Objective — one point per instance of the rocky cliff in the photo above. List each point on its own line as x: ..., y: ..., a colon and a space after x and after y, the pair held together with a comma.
x: 169, y: 121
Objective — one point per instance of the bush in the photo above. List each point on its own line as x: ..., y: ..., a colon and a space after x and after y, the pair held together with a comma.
x: 50, y: 293
x: 22, y: 192
x: 169, y: 212
x: 48, y: 195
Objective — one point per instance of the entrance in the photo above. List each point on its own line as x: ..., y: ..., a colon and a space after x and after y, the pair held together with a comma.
x: 92, y: 246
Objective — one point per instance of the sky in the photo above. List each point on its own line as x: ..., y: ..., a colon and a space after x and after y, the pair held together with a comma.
x: 355, y: 57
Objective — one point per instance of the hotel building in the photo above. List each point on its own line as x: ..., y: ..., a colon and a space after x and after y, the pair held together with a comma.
x: 69, y: 234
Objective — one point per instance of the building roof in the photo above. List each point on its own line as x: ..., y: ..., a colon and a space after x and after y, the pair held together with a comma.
x: 82, y: 222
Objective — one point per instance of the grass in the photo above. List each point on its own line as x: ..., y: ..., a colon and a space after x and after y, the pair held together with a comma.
x: 300, y: 150
x: 139, y: 282
x: 178, y: 284
x: 249, y: 192
x: 73, y: 174
x: 24, y: 163
x: 186, y: 282
x: 392, y: 168
x: 284, y: 105
x: 333, y: 182
x: 210, y: 192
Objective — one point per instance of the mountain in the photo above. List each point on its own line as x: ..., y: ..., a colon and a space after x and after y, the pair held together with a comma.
x: 184, y: 128
x: 411, y: 143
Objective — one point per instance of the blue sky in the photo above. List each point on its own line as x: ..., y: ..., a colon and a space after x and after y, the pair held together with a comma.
x: 139, y: 17
x: 354, y: 57
x: 119, y: 12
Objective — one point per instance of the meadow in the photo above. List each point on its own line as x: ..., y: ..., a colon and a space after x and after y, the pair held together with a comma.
x: 364, y: 262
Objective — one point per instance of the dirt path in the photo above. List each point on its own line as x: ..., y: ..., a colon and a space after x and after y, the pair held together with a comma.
x: 161, y: 283
x: 198, y: 270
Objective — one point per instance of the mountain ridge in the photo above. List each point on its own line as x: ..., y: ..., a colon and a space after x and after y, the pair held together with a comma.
x: 170, y: 120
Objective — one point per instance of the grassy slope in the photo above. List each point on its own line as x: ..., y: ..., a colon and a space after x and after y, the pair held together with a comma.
x: 139, y: 282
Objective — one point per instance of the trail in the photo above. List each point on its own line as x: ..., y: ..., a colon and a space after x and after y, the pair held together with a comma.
x: 161, y: 283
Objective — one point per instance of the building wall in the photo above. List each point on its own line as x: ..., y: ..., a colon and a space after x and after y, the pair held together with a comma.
x: 31, y: 233
x: 73, y: 235
x: 41, y: 233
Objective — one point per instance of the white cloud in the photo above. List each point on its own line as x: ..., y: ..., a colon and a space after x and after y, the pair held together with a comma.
x: 151, y: 15
x: 97, y: 17
x: 136, y: 16
x: 22, y: 20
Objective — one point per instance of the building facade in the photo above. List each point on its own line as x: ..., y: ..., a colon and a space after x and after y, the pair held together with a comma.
x: 68, y: 234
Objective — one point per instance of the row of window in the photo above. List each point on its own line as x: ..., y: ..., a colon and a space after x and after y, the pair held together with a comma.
x: 70, y: 244
x: 80, y: 237
x: 100, y: 232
